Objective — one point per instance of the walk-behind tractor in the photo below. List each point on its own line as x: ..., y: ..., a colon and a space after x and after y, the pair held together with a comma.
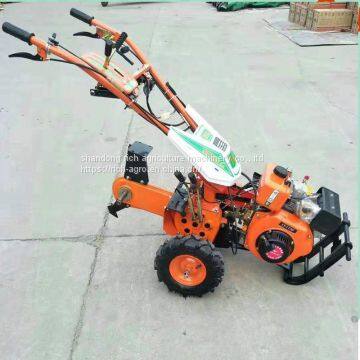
x: 278, y: 219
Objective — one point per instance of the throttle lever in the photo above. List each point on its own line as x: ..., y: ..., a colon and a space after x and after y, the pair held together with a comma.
x: 179, y: 176
x: 53, y: 41
x: 87, y: 34
x: 26, y: 55
x: 108, y: 51
x: 192, y: 178
x: 108, y: 48
x: 122, y: 54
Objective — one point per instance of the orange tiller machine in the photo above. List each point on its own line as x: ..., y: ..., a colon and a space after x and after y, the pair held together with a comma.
x: 279, y: 219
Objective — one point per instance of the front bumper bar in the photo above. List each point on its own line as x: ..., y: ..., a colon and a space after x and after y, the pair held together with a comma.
x: 339, y: 249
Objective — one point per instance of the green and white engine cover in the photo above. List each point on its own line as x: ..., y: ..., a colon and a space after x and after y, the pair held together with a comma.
x: 207, y: 151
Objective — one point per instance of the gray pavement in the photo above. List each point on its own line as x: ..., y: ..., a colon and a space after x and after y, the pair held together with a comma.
x: 77, y: 284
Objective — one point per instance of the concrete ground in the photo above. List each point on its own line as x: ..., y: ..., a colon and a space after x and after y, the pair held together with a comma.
x: 78, y: 284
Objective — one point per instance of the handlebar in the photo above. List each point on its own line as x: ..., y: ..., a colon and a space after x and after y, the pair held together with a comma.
x: 81, y: 16
x: 17, y: 32
x: 103, y: 31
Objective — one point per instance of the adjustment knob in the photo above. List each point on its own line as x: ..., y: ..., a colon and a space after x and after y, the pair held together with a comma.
x: 280, y: 171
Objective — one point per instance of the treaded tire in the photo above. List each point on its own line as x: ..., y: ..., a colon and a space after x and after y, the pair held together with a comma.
x: 203, y: 250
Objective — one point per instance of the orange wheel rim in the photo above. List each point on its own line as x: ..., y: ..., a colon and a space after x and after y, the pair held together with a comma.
x: 187, y: 270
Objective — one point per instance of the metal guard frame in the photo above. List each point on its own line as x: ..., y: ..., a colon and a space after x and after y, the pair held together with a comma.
x: 339, y: 249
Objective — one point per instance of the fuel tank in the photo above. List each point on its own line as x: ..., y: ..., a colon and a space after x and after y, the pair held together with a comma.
x: 274, y: 187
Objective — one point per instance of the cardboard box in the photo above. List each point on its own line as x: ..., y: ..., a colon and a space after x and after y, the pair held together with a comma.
x: 355, y: 24
x: 298, y: 8
x: 292, y: 12
x: 303, y: 15
x: 309, y: 19
x: 327, y: 5
x: 331, y: 18
x: 352, y: 5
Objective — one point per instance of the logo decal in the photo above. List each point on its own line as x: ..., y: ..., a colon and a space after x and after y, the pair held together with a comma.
x: 220, y: 144
x: 288, y: 227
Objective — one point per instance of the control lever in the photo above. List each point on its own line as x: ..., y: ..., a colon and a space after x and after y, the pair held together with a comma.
x: 182, y: 179
x: 108, y: 51
x: 122, y: 51
x: 179, y: 176
x: 192, y: 178
x: 108, y: 47
x: 120, y: 42
x: 52, y: 40
x: 26, y: 55
x: 87, y: 34
x: 194, y: 185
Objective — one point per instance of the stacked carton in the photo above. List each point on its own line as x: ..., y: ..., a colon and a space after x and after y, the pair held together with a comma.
x: 353, y: 6
x: 355, y: 24
x: 325, y: 16
x: 330, y: 20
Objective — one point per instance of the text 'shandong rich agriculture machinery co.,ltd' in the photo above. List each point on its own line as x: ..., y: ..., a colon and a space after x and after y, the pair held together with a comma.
x: 277, y: 218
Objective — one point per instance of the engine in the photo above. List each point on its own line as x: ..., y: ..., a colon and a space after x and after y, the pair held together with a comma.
x: 278, y: 191
x: 280, y: 230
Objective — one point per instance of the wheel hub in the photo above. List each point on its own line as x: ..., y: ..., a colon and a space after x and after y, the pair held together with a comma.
x: 187, y: 270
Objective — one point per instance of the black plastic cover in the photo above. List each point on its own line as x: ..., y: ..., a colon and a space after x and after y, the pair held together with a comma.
x: 136, y: 168
x: 328, y: 219
x: 179, y: 200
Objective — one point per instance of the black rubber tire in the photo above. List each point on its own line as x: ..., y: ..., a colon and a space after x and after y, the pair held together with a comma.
x: 201, y: 249
x: 104, y: 3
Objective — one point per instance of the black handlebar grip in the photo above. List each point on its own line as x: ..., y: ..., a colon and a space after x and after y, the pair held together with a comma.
x: 108, y: 48
x: 81, y: 16
x: 17, y: 32
x: 179, y: 176
x: 192, y: 178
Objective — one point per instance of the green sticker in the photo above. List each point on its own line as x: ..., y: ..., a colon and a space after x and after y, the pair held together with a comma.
x: 211, y: 154
x: 232, y: 159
